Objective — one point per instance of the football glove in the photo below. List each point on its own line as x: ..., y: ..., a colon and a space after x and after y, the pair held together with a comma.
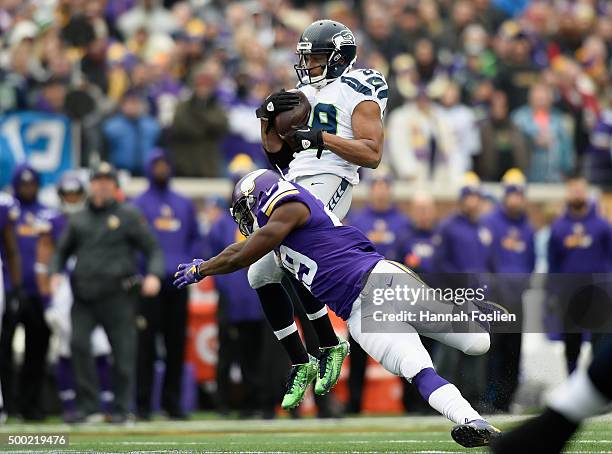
x: 188, y: 273
x: 281, y: 101
x: 306, y: 138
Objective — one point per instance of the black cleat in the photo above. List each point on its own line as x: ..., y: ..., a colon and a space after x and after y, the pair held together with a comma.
x: 475, y: 433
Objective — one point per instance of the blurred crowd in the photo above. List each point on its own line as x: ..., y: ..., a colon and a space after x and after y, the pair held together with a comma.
x: 481, y: 85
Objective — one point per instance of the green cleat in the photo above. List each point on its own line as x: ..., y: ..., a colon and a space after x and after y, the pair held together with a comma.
x: 300, y: 377
x: 330, y: 365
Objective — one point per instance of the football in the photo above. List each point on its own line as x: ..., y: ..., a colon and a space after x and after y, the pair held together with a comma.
x: 292, y: 119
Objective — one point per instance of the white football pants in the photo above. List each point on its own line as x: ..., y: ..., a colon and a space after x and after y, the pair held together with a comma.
x: 402, y: 353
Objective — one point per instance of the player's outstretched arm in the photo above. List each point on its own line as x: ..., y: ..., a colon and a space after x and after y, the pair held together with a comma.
x: 283, y: 220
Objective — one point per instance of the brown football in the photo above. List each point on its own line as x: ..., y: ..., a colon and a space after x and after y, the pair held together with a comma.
x: 295, y: 118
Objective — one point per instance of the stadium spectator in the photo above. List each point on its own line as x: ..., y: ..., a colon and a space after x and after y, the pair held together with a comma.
x: 516, y: 72
x: 462, y: 253
x: 551, y: 156
x: 200, y: 123
x: 52, y: 96
x: 577, y: 98
x: 599, y: 157
x: 105, y: 238
x: 512, y: 261
x: 420, y: 141
x: 462, y: 123
x: 130, y: 135
x: 580, y: 243
x: 488, y: 14
x: 474, y: 67
x: 148, y: 15
x: 387, y: 227
x: 462, y: 15
x: 427, y: 64
x: 10, y: 281
x: 503, y: 143
x: 410, y: 27
x: 244, y: 130
x: 172, y: 219
x: 30, y: 313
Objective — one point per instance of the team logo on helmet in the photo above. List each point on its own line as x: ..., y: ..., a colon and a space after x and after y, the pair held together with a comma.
x: 343, y: 38
x: 248, y: 184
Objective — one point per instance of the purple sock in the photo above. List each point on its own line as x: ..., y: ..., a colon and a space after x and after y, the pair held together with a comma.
x: 104, y: 378
x: 427, y: 381
x: 65, y: 384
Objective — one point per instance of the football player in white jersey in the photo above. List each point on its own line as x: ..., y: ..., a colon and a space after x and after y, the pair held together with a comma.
x: 344, y: 132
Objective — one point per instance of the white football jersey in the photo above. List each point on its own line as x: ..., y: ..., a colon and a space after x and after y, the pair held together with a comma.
x: 331, y: 110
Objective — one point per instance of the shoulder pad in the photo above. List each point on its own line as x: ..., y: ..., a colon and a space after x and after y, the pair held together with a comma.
x: 367, y: 82
x: 277, y: 192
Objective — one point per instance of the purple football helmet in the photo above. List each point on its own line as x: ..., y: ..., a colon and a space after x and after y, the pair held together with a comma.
x: 246, y: 196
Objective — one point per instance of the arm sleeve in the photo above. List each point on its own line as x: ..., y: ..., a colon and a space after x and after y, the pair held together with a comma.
x: 401, y: 153
x: 282, y: 158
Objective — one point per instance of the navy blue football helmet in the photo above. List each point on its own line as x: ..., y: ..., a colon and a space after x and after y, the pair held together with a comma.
x: 332, y: 39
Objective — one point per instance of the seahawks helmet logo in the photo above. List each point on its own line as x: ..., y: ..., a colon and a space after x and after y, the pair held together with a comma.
x: 343, y: 38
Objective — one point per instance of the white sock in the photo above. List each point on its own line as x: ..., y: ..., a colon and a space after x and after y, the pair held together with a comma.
x: 577, y: 398
x: 320, y: 313
x: 282, y: 333
x: 448, y: 400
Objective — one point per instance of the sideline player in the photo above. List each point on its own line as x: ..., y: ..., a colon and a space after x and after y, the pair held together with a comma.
x: 344, y: 133
x: 341, y: 268
x: 10, y: 264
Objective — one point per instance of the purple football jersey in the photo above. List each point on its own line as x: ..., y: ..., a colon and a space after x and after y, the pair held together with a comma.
x: 9, y: 213
x: 330, y: 259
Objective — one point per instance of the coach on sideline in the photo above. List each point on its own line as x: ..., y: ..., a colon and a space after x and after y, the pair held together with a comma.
x: 105, y: 238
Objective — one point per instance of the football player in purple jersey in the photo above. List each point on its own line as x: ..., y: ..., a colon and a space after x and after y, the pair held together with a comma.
x: 340, y: 267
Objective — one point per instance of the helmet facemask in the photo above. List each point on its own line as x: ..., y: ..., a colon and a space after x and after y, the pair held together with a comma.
x: 303, y: 70
x: 242, y: 213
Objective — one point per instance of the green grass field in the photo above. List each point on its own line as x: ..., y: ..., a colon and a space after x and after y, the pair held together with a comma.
x: 346, y: 435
